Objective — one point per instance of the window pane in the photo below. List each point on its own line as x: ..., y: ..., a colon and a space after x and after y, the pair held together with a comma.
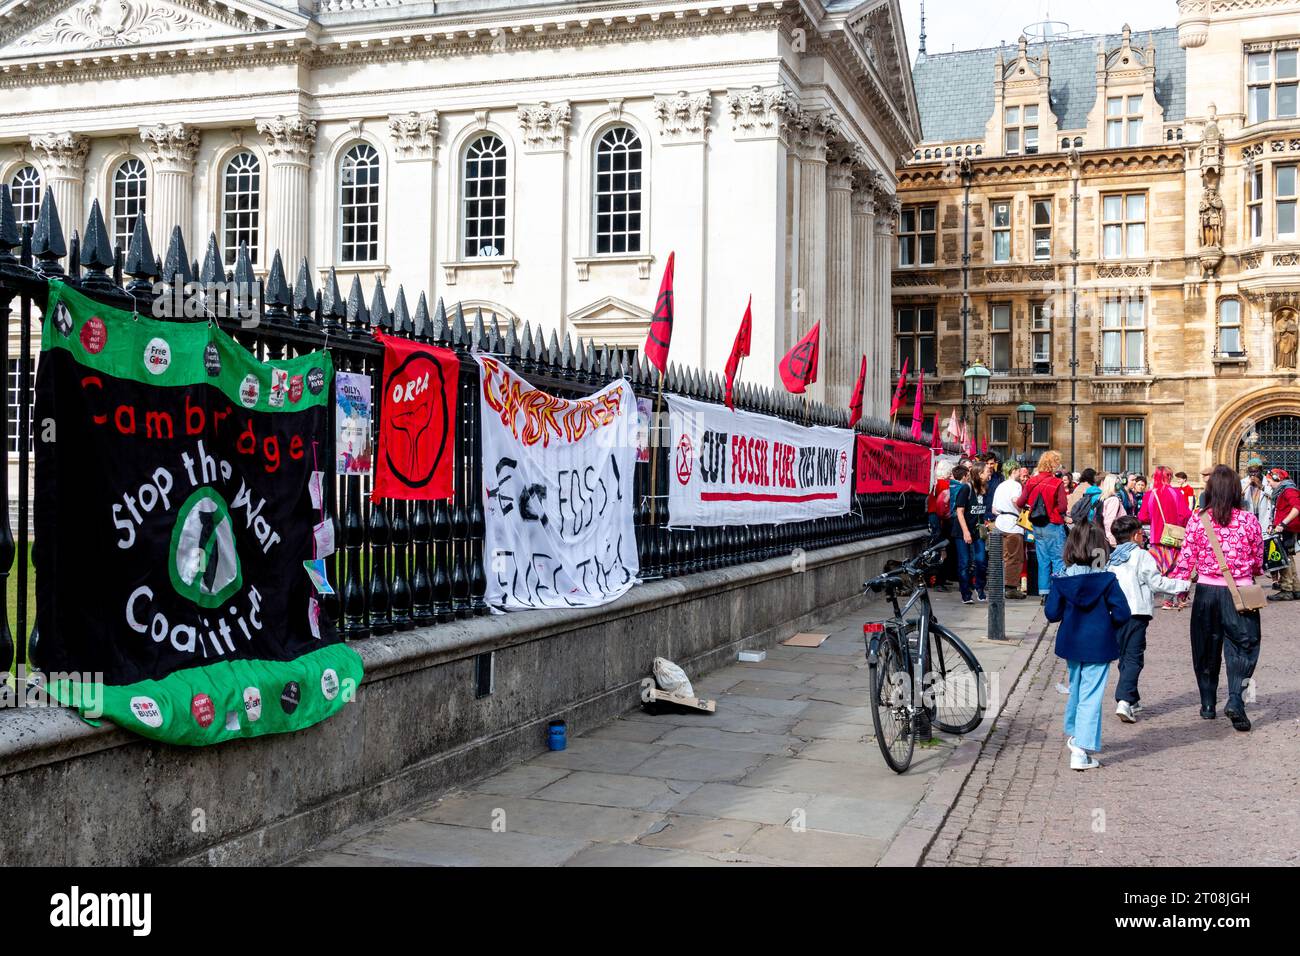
x: 1110, y: 431
x: 907, y: 221
x: 1042, y: 430
x: 1110, y: 459
x: 1286, y: 218
x: 1135, y: 207
x: 1031, y: 139
x: 1137, y: 240
x: 925, y: 320
x: 1110, y: 314
x: 1286, y: 180
x: 1001, y: 352
x: 1134, y: 132
x: 1258, y: 67
x: 1112, y: 208
x: 906, y: 353
x: 1113, y: 239
x: 1042, y: 212
x: 1230, y: 340
x: 1042, y: 244
x: 1114, y: 134
x: 1135, y: 460
x: 1133, y: 350
x: 1134, y: 104
x: 998, y: 430
x: 1257, y: 185
x: 1286, y: 100
x: 1001, y: 318
x: 1013, y: 115
x: 1110, y: 349
x: 905, y: 250
x: 1258, y: 111
x: 1135, y: 429
x: 1230, y: 312
x: 1001, y: 246
x: 1256, y: 222
x: 928, y: 355
x: 1031, y: 114
x: 1013, y: 140
x: 1115, y: 106
x: 1002, y: 215
x: 927, y: 249
x: 906, y: 320
x: 1136, y: 312
x: 927, y: 218
x: 1042, y: 347
x: 1286, y: 64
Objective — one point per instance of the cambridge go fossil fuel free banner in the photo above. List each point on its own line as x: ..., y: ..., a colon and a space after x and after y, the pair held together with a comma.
x: 174, y: 510
x: 742, y: 468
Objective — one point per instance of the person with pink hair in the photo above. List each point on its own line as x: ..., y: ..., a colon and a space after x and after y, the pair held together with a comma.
x: 1164, y: 506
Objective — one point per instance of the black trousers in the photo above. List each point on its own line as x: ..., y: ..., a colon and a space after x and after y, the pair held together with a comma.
x: 1132, y: 654
x: 1220, y: 631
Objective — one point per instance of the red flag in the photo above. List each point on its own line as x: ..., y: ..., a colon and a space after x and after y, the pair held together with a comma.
x: 984, y: 445
x: 917, y: 413
x: 417, y: 430
x: 936, y: 442
x: 739, y: 350
x: 799, y: 367
x: 661, y: 326
x: 898, y: 391
x: 855, y: 403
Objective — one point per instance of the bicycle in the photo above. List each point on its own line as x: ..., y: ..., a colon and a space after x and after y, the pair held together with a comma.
x: 912, y: 657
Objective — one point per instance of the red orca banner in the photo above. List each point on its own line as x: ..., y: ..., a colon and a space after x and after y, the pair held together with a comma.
x: 417, y: 421
x: 891, y: 466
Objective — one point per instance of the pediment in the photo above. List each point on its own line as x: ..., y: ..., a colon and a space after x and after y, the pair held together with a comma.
x: 69, y: 26
x: 611, y: 310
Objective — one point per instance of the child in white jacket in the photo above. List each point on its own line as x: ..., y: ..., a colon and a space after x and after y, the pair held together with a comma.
x: 1138, y: 578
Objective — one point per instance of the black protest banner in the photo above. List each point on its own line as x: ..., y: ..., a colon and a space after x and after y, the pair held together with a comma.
x: 173, y: 515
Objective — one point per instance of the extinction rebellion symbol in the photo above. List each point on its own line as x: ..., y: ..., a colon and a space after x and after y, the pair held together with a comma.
x: 203, y: 563
x: 685, y: 460
x: 415, y: 391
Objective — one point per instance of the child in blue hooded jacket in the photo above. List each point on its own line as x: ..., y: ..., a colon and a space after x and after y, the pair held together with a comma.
x: 1090, y: 605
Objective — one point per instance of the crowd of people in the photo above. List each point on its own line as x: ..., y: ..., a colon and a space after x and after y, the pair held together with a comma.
x: 1111, y: 549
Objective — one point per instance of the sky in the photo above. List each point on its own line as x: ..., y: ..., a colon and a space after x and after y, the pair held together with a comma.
x: 972, y: 24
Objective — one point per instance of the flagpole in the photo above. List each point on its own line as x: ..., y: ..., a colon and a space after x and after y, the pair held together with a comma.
x: 654, y: 454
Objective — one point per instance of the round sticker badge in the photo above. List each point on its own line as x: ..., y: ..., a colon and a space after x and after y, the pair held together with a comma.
x: 146, y: 711
x: 94, y: 335
x: 249, y: 390
x: 329, y: 683
x: 252, y: 704
x: 212, y: 360
x: 315, y: 380
x: 203, y: 711
x: 157, y: 356
x: 290, y: 696
x: 63, y: 320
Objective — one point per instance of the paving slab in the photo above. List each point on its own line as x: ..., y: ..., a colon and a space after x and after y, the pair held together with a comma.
x: 605, y: 756
x: 820, y: 710
x: 812, y: 847
x: 699, y: 763
x: 643, y: 732
x: 878, y: 818
x: 609, y: 790
x: 438, y: 844
x: 542, y: 817
x: 701, y: 834
x: 521, y: 780
x: 633, y: 854
x: 785, y: 744
x: 824, y: 730
x: 757, y: 804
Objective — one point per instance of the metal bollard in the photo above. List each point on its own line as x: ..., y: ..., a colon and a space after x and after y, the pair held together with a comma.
x: 996, y: 588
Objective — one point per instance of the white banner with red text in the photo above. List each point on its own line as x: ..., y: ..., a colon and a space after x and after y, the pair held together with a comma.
x: 557, y: 492
x: 732, y: 468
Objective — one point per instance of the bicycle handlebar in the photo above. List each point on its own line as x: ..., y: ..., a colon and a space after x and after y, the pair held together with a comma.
x: 929, y: 558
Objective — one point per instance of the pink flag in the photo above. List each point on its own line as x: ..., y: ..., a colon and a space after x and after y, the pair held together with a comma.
x: 936, y: 443
x: 917, y: 414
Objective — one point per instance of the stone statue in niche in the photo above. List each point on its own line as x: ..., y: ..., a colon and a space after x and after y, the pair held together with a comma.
x: 1286, y: 337
x: 1211, y: 214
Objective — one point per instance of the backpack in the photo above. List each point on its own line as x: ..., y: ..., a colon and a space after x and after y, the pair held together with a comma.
x: 1039, y: 516
x: 1085, y: 509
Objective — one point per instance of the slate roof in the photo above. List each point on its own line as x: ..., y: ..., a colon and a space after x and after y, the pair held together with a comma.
x: 954, y: 91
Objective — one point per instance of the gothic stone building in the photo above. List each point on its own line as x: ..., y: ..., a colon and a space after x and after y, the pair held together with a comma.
x: 533, y: 158
x: 1109, y: 225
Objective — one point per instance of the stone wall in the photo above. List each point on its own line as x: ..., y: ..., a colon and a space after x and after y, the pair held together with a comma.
x: 78, y: 795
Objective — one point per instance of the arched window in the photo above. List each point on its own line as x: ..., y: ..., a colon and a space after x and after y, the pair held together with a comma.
x: 359, y: 204
x: 617, y: 192
x: 1230, y: 328
x: 241, y: 206
x: 130, y: 194
x: 25, y: 190
x: 483, y: 198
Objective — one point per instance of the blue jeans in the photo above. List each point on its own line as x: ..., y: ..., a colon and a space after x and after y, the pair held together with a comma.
x: 1083, y: 709
x: 972, y: 564
x: 1049, y: 546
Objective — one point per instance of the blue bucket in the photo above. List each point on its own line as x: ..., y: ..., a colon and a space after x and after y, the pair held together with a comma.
x: 556, y: 735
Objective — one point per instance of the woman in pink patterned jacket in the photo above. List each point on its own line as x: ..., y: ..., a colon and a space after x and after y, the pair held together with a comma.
x: 1219, y: 630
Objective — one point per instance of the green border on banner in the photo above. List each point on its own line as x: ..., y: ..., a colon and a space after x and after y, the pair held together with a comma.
x: 326, y: 680
x: 127, y: 335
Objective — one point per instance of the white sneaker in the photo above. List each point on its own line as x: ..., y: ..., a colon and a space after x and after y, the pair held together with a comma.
x: 1136, y: 708
x: 1075, y: 750
x: 1081, y: 761
x: 1125, y: 711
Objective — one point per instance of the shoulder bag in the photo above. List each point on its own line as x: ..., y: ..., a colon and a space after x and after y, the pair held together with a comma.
x: 1171, y: 536
x: 1245, y: 599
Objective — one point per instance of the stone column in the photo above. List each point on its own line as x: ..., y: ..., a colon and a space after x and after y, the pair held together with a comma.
x: 170, y: 200
x: 289, y: 140
x: 838, y: 340
x: 812, y: 228
x: 864, y: 323
x: 63, y: 166
x: 411, y: 187
x: 882, y: 312
x: 684, y: 126
x: 543, y: 197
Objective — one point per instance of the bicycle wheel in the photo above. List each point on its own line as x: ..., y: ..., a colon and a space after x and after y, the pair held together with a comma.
x: 891, y: 698
x: 955, y: 689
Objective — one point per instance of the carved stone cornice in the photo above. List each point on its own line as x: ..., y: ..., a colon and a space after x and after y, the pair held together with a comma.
x: 684, y: 117
x: 172, y: 146
x: 757, y: 112
x: 289, y: 139
x: 63, y: 155
x: 414, y: 134
x: 545, y: 125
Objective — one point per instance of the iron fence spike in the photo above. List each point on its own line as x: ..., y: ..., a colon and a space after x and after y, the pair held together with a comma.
x: 139, y: 255
x: 277, y: 291
x: 423, y: 327
x: 47, y: 237
x: 10, y: 235
x: 305, y: 300
x: 480, y: 331
x: 96, y: 248
x: 459, y: 331
x: 213, y: 271
x: 401, y: 314
x: 380, y: 317
x: 358, y: 315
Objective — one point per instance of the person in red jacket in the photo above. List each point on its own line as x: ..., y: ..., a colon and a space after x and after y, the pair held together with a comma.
x: 1162, y: 505
x: 1049, y: 535
x: 1286, y: 522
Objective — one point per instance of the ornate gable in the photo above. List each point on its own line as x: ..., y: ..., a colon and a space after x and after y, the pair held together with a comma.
x: 69, y: 26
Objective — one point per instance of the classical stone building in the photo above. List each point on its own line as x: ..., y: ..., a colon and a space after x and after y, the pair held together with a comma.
x: 536, y: 159
x: 1108, y: 224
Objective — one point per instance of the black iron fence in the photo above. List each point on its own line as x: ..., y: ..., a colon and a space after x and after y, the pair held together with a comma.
x: 399, y: 564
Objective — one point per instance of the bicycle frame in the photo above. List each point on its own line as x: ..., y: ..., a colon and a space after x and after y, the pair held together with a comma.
x: 918, y: 663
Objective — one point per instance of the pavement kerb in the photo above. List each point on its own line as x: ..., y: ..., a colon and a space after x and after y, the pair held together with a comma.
x: 909, y: 846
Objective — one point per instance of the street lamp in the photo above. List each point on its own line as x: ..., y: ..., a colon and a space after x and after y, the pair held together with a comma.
x: 1025, y: 416
x: 975, y: 381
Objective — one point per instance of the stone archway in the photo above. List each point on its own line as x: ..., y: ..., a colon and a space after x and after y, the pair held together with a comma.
x: 1236, y: 419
